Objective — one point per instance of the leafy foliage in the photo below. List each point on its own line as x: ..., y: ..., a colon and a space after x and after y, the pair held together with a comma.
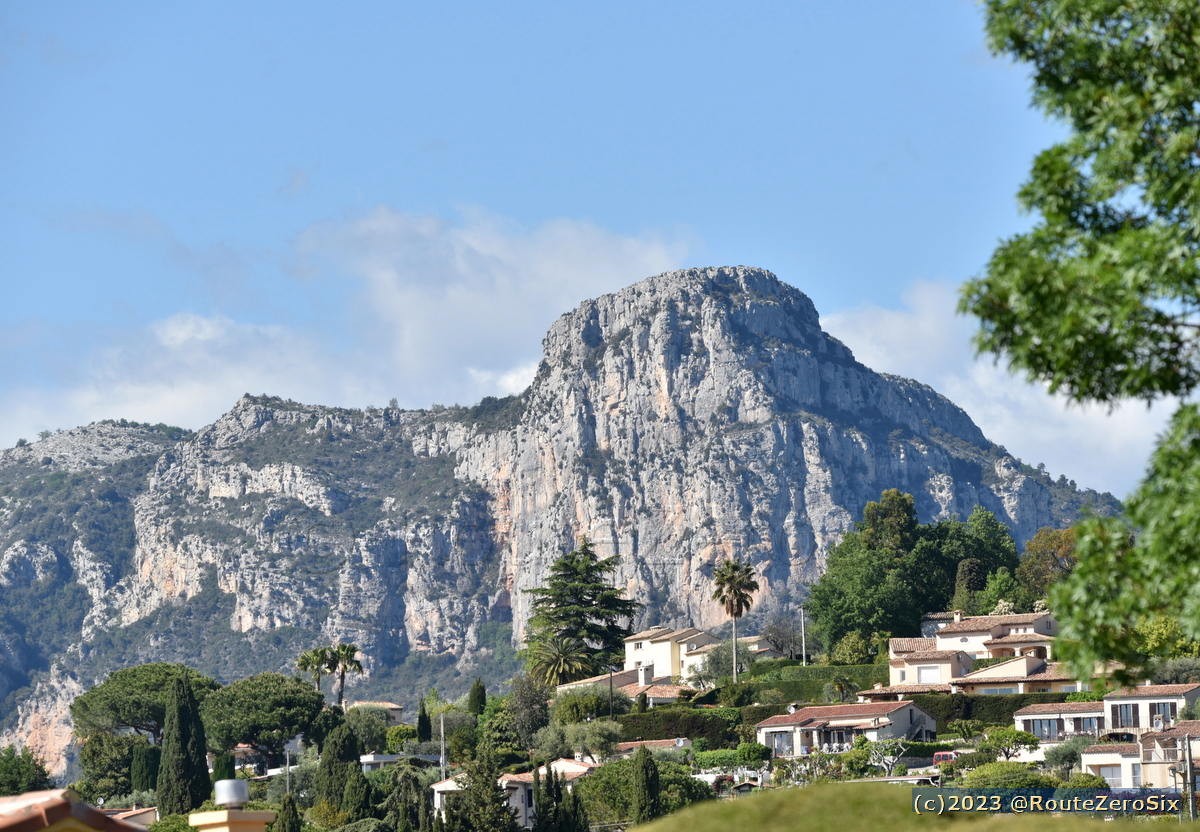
x: 665, y: 723
x: 21, y: 772
x: 136, y: 698
x: 264, y: 711
x: 883, y: 575
x: 607, y: 792
x: 370, y: 725
x: 338, y: 758
x: 577, y: 603
x: 1099, y: 299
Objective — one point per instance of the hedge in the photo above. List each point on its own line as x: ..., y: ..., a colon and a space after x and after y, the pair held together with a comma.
x: 990, y: 709
x: 668, y: 723
x: 725, y: 758
x: 754, y: 714
x: 867, y: 674
x: 806, y: 690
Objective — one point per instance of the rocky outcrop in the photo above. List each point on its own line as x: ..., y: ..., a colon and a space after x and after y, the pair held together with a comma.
x: 694, y: 416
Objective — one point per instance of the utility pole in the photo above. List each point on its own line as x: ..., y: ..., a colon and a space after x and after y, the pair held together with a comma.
x: 803, y: 640
x: 442, y: 721
x: 1190, y: 781
x: 610, y: 693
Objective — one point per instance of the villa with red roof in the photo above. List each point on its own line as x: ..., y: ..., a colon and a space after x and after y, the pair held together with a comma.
x: 834, y: 727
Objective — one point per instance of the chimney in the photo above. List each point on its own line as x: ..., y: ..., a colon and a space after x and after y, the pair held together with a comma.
x: 232, y: 795
x: 958, y: 616
x: 645, y: 674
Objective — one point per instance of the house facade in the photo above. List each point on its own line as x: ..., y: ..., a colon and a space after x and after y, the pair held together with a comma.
x: 832, y: 728
x: 666, y: 648
x: 999, y: 636
x: 1162, y: 752
x: 1024, y: 674
x: 518, y: 788
x: 659, y: 690
x: 1134, y: 711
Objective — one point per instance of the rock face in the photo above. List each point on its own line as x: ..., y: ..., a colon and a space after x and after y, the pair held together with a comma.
x: 694, y: 416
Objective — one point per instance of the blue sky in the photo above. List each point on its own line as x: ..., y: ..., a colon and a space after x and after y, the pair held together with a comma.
x: 342, y: 204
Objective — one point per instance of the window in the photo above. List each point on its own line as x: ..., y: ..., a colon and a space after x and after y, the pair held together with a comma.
x: 1044, y: 729
x: 963, y: 639
x: 901, y: 675
x: 1125, y: 716
x: 1112, y: 774
x: 637, y: 645
x: 1068, y: 689
x: 1137, y: 776
x: 780, y: 743
x: 997, y: 691
x: 929, y: 675
x: 1087, y: 725
x: 1166, y: 710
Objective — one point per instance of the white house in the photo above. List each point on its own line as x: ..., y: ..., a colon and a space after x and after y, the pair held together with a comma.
x: 666, y: 648
x: 834, y: 727
x: 1134, y: 711
x: 999, y: 636
x: 519, y: 788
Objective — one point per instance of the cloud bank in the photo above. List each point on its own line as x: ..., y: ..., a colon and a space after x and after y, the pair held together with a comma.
x: 415, y: 307
x: 927, y: 341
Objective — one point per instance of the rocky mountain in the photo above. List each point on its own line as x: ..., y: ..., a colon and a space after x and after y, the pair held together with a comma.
x: 693, y: 416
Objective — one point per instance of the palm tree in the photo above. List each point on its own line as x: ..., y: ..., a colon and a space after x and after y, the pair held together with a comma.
x: 734, y: 586
x: 843, y: 685
x: 558, y: 660
x: 315, y: 661
x: 343, y: 658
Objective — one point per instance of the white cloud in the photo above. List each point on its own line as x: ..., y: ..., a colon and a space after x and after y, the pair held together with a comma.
x: 928, y: 341
x: 415, y: 307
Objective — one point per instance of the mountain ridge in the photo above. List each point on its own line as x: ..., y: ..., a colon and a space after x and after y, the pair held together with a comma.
x: 692, y: 416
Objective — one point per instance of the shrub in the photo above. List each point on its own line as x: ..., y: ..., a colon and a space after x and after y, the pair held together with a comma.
x: 772, y: 696
x: 992, y: 709
x: 724, y: 758
x: 753, y: 753
x: 669, y: 723
x: 1008, y: 776
x: 974, y: 759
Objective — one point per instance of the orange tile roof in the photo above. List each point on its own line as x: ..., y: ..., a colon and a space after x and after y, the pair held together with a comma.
x: 911, y: 645
x: 850, y: 711
x: 1152, y: 690
x: 1114, y: 748
x: 1062, y: 708
x: 34, y: 811
x: 981, y: 623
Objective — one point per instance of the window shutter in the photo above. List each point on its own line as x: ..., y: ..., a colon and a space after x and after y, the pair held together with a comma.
x: 1116, y: 716
x: 1100, y: 722
x: 1061, y: 726
x: 1137, y: 710
x: 1173, y: 710
x: 1078, y: 725
x: 1027, y: 725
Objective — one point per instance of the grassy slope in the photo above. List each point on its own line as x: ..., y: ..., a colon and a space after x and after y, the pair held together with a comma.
x: 846, y: 807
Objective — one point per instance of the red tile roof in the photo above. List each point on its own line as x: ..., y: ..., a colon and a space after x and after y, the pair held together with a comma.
x: 34, y: 811
x: 911, y: 645
x: 1152, y: 690
x: 850, y: 711
x: 1114, y: 748
x: 898, y: 689
x: 1062, y: 708
x: 1019, y: 638
x: 983, y: 623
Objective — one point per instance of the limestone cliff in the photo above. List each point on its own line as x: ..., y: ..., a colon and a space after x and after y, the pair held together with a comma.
x: 693, y: 416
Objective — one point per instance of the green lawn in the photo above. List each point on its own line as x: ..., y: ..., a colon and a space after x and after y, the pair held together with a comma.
x: 841, y: 807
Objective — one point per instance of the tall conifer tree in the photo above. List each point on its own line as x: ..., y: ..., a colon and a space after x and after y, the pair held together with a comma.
x: 183, y: 782
x: 645, y: 786
x: 289, y: 815
x: 424, y: 728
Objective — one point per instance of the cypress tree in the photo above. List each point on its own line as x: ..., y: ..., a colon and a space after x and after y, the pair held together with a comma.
x: 223, y: 767
x: 477, y: 698
x: 338, y: 759
x: 144, y: 769
x: 289, y: 816
x: 183, y: 771
x: 424, y: 728
x: 483, y: 803
x: 356, y: 798
x: 572, y: 816
x: 645, y: 786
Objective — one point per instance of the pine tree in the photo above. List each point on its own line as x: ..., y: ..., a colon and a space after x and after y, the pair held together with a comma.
x: 144, y: 769
x: 424, y: 728
x: 477, y: 698
x: 289, y: 816
x: 645, y: 786
x: 356, y: 797
x: 338, y: 759
x: 183, y: 782
x: 579, y: 604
